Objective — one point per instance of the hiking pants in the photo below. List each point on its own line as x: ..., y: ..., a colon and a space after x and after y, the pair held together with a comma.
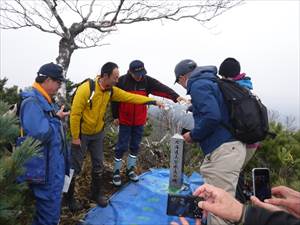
x: 48, y: 196
x: 221, y: 168
x: 94, y: 144
x: 129, y: 136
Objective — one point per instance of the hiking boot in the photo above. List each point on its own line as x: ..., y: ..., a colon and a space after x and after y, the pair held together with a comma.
x: 100, y: 199
x: 117, y: 179
x: 73, y: 205
x: 132, y: 175
x: 69, y: 198
x: 97, y: 190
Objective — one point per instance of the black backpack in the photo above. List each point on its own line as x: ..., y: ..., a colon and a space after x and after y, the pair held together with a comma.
x: 248, y: 116
x: 92, y: 90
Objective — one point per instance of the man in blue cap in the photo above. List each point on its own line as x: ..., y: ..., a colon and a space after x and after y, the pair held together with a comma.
x: 131, y: 118
x: 41, y: 119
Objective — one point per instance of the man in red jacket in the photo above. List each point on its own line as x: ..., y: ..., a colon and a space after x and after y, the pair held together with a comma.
x: 131, y: 118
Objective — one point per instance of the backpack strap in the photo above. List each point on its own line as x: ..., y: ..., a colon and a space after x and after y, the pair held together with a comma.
x: 20, y: 104
x: 92, y: 92
x: 111, y: 92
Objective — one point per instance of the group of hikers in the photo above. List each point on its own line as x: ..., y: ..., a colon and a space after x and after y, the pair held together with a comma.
x: 225, y: 156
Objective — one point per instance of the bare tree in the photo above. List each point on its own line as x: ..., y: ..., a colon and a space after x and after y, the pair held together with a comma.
x: 273, y: 116
x: 85, y: 23
x: 290, y: 123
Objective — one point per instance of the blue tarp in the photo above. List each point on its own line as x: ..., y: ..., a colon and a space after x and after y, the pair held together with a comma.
x: 141, y: 203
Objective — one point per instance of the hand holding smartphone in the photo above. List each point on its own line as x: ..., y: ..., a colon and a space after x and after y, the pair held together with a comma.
x: 261, y: 183
x: 184, y: 205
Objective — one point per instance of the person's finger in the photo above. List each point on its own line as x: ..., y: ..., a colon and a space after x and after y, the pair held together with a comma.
x: 277, y: 201
x: 206, y: 191
x: 294, y: 212
x: 279, y: 191
x: 183, y: 221
x: 255, y: 201
x: 198, y: 222
x: 200, y: 190
x: 174, y: 223
x: 206, y: 205
x: 283, y: 202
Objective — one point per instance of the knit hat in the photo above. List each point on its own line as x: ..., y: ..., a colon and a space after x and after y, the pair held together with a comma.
x: 184, y: 67
x: 230, y: 67
x: 51, y: 70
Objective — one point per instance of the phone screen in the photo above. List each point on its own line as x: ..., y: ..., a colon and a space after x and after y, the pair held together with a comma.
x: 261, y: 183
x: 184, y: 205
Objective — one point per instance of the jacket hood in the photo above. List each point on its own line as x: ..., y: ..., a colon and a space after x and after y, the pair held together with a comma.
x: 246, y: 82
x: 35, y: 94
x: 203, y: 72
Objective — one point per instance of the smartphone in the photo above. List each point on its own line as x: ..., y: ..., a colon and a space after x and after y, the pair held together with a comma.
x: 261, y: 183
x: 184, y: 205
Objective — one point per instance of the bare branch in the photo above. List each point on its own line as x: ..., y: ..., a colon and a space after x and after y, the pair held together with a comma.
x: 289, y: 122
x: 86, y: 23
x: 57, y: 16
x: 117, y: 12
x: 19, y: 15
x: 74, y: 7
x: 90, y: 11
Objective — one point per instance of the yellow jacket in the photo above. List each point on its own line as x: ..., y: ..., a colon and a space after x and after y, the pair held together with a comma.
x: 91, y: 121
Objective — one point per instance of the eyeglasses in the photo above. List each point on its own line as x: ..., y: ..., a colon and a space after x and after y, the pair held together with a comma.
x: 57, y: 81
x: 177, y: 79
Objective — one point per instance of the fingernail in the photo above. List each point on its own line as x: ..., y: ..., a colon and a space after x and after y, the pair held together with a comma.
x: 200, y: 204
x: 266, y: 200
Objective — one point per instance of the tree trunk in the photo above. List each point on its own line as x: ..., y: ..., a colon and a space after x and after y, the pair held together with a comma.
x: 66, y: 49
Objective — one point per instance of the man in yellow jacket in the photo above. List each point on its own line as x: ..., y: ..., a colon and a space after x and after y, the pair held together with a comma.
x: 87, y: 122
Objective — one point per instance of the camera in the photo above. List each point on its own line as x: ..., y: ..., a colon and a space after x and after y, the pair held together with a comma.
x: 184, y: 205
x: 261, y: 183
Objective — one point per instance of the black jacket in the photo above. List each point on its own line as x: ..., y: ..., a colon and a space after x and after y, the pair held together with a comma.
x: 133, y: 114
x: 260, y: 216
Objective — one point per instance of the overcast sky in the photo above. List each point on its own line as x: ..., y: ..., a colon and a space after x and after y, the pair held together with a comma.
x: 262, y: 35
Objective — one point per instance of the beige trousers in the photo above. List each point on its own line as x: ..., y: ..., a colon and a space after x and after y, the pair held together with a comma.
x: 249, y: 154
x: 221, y: 168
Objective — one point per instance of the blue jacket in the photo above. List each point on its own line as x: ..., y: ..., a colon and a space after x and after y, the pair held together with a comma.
x: 37, y: 117
x: 209, y: 109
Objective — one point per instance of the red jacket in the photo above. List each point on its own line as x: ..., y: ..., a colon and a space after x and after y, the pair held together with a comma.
x: 133, y: 114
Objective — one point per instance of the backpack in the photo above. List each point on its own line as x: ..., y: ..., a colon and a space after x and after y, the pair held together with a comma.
x: 247, y: 115
x: 92, y: 90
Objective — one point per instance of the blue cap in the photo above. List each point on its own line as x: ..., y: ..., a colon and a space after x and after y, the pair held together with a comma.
x: 184, y: 67
x: 52, y: 70
x: 137, y: 68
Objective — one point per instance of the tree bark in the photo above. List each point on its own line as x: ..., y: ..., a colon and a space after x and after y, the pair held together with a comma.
x: 66, y: 49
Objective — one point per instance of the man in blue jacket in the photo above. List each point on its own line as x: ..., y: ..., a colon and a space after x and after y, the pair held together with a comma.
x: 224, y: 156
x: 41, y: 119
